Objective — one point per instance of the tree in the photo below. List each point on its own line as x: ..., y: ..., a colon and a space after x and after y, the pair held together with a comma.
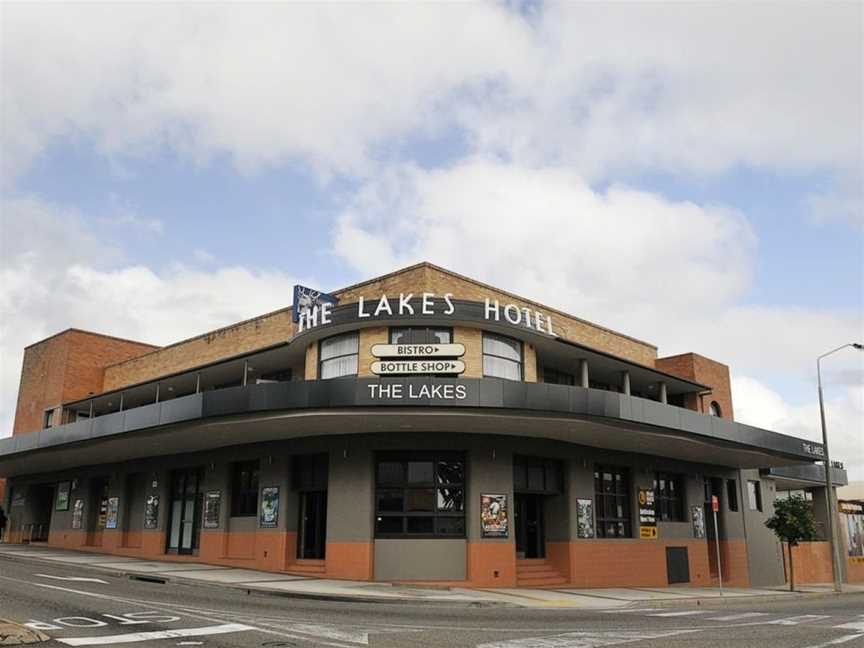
x: 792, y: 522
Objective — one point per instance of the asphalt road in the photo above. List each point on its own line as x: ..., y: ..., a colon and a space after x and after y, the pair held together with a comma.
x: 110, y: 611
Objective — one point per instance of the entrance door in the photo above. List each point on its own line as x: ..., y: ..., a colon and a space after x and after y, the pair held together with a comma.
x: 186, y: 503
x: 98, y: 514
x: 312, y: 528
x: 529, y: 526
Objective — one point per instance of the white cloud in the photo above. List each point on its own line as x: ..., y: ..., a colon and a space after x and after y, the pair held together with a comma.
x: 49, y: 282
x: 689, y: 88
x: 673, y: 273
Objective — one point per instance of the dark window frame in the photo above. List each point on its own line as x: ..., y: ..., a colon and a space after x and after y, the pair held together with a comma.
x: 404, y: 488
x: 356, y: 353
x: 245, y: 482
x: 623, y: 524
x: 521, y: 361
x: 561, y: 377
x: 48, y: 418
x: 732, y: 494
x: 670, y: 503
x: 757, y: 495
x: 447, y: 329
x: 551, y: 470
x: 715, y: 410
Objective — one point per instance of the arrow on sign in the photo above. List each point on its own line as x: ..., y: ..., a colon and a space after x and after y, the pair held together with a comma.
x: 82, y: 579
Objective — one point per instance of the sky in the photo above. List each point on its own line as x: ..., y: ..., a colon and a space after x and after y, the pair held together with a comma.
x: 688, y: 174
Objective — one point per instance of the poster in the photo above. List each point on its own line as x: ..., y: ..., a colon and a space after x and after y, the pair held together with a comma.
x: 151, y: 512
x: 269, y: 506
x: 853, y: 513
x: 647, y: 514
x: 212, y: 508
x: 77, y: 513
x: 493, y: 515
x: 63, y: 490
x: 584, y: 518
x: 697, y: 520
x: 112, y: 508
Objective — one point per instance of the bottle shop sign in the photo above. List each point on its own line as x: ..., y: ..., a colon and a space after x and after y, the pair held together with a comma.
x: 403, y: 367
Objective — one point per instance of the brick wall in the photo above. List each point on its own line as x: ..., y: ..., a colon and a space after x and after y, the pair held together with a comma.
x: 67, y: 366
x: 707, y: 372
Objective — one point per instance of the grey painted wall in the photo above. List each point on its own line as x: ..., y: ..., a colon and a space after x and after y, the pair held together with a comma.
x: 420, y: 559
x: 764, y: 552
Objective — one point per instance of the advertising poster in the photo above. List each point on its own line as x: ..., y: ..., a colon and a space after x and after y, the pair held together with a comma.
x: 647, y: 514
x: 494, y: 517
x: 212, y: 508
x: 112, y: 509
x: 77, y: 513
x: 269, y: 506
x: 585, y: 518
x: 63, y: 490
x: 697, y: 520
x: 151, y: 512
x: 854, y: 517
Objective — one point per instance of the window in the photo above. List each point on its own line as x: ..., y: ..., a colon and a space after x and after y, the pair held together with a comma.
x: 612, y: 498
x: 420, y: 494
x: 536, y: 475
x: 502, y: 357
x: 754, y: 495
x: 714, y: 409
x: 338, y: 356
x: 732, y: 494
x: 244, y: 489
x: 555, y: 377
x: 669, y: 497
x: 48, y: 419
x: 420, y: 335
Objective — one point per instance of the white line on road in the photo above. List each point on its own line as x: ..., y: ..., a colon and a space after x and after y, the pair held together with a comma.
x: 83, y: 579
x: 679, y: 614
x: 854, y: 625
x: 795, y: 620
x: 737, y: 617
x: 582, y: 639
x: 838, y: 640
x: 133, y: 637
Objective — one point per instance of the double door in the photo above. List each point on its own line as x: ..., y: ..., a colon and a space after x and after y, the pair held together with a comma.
x: 312, y: 526
x: 530, y: 542
x: 185, y: 509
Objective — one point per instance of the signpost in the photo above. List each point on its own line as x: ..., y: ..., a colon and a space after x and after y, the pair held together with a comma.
x: 715, y: 506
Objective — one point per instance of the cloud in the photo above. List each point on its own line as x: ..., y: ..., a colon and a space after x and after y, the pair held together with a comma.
x: 674, y: 273
x: 686, y: 88
x: 54, y: 274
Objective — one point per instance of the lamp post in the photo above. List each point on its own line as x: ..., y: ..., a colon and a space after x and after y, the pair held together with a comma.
x: 829, y: 493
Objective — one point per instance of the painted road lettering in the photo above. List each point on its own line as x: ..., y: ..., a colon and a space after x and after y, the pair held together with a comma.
x: 129, y: 618
x: 82, y: 579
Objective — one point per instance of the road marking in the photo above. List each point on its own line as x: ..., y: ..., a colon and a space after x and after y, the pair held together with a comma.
x: 582, y: 639
x: 630, y: 610
x: 679, y: 614
x: 854, y: 625
x: 838, y: 640
x: 83, y: 579
x: 134, y: 637
x: 795, y: 620
x: 743, y: 615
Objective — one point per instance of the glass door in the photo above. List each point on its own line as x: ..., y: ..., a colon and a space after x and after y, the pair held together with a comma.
x: 313, y: 525
x: 186, y: 503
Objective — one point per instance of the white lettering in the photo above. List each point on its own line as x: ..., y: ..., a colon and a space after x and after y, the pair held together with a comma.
x: 383, y: 305
x: 527, y: 312
x: 512, y: 319
x: 326, y: 309
x: 490, y: 310
x: 549, y: 325
x: 155, y: 617
x: 86, y: 622
x: 361, y: 313
x: 538, y: 320
x: 427, y: 303
x: 404, y: 306
x: 41, y: 625
x: 448, y: 299
x: 461, y: 392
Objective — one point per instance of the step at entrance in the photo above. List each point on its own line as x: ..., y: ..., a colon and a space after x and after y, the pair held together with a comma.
x: 308, y: 567
x: 536, y: 572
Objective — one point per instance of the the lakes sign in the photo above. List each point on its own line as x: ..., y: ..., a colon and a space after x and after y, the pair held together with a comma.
x: 424, y: 304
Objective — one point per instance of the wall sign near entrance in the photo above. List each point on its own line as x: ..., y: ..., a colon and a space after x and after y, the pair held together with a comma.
x: 647, y: 514
x: 212, y: 509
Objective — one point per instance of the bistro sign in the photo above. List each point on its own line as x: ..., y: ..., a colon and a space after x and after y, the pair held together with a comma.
x: 418, y: 350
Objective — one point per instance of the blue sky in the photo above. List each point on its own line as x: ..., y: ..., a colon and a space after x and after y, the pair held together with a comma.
x: 664, y: 170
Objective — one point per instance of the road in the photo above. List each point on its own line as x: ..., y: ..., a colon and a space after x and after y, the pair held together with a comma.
x: 107, y: 610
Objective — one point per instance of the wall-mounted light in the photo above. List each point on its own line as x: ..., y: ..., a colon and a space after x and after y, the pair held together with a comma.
x: 345, y: 453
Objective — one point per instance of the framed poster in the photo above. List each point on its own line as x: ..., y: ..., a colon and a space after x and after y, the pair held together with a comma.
x: 151, y: 512
x: 584, y: 518
x: 647, y: 514
x: 212, y: 509
x: 494, y: 516
x: 112, y: 509
x: 697, y: 520
x: 269, y: 506
x: 77, y: 513
x: 63, y: 490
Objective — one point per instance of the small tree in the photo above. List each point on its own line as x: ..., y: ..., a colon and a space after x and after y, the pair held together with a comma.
x: 792, y: 523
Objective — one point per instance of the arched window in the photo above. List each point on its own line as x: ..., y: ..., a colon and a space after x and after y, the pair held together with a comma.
x: 714, y: 409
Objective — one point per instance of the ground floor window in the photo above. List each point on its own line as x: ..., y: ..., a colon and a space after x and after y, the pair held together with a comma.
x: 419, y: 494
x: 612, y: 496
x: 669, y: 497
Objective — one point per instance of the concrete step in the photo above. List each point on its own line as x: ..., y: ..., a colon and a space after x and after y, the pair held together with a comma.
x: 308, y: 567
x: 542, y: 581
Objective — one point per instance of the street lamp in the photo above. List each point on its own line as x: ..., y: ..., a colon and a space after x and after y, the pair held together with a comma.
x: 829, y: 493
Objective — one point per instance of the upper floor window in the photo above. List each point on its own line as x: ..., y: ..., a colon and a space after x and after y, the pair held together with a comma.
x: 555, y: 377
x: 732, y: 494
x: 338, y: 356
x: 244, y: 489
x: 754, y: 495
x: 48, y: 418
x: 502, y: 357
x: 420, y: 335
x: 714, y: 409
x: 669, y: 497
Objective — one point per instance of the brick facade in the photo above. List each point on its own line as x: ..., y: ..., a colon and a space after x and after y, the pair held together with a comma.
x: 707, y: 372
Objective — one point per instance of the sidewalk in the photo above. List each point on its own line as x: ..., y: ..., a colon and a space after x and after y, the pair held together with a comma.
x: 248, y: 580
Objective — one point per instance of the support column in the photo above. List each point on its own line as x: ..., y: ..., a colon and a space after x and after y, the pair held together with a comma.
x: 663, y: 396
x: 245, y: 371
x: 625, y: 383
x: 583, y: 373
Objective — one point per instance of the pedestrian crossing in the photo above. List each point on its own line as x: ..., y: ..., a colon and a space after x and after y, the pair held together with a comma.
x: 855, y: 624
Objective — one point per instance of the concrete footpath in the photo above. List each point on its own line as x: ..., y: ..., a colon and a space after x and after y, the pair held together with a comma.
x: 248, y: 580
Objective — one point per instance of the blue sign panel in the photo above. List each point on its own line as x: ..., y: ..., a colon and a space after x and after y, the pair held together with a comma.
x: 305, y: 299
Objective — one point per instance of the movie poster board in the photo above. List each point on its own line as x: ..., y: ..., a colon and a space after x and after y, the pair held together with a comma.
x: 151, y: 512
x: 212, y: 509
x: 494, y: 516
x: 77, y: 513
x: 111, y: 513
x: 64, y: 488
x: 269, y: 507
x: 584, y: 518
x: 697, y: 521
